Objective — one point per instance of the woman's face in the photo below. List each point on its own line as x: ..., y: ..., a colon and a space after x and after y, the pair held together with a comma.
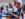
x: 17, y: 5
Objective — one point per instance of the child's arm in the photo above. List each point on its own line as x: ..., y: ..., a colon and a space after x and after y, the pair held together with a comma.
x: 15, y: 15
x: 22, y: 11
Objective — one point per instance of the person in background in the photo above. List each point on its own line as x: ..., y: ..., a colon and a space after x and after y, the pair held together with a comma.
x: 10, y: 5
x: 1, y: 8
x: 0, y: 13
x: 5, y: 11
x: 15, y: 2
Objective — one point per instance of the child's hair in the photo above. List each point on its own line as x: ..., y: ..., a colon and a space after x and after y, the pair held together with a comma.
x: 24, y: 7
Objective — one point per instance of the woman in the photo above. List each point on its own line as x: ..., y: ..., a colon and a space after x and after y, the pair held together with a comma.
x: 15, y: 13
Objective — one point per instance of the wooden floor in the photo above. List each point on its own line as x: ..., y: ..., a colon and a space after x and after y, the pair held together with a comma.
x: 6, y: 17
x: 3, y: 17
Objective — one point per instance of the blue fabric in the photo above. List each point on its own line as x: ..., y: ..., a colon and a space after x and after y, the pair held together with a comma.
x: 0, y: 14
x: 0, y: 17
x: 19, y: 10
x: 16, y: 13
x: 7, y: 12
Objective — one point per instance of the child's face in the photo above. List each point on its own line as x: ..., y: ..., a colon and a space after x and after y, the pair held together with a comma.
x: 24, y: 11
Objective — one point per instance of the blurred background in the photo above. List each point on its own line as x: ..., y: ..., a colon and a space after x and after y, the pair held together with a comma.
x: 5, y: 2
x: 6, y: 12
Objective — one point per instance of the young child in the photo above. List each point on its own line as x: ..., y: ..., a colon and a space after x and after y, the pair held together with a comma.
x: 23, y: 12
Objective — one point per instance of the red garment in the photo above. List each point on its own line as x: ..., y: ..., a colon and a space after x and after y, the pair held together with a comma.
x: 16, y: 3
x: 0, y: 11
